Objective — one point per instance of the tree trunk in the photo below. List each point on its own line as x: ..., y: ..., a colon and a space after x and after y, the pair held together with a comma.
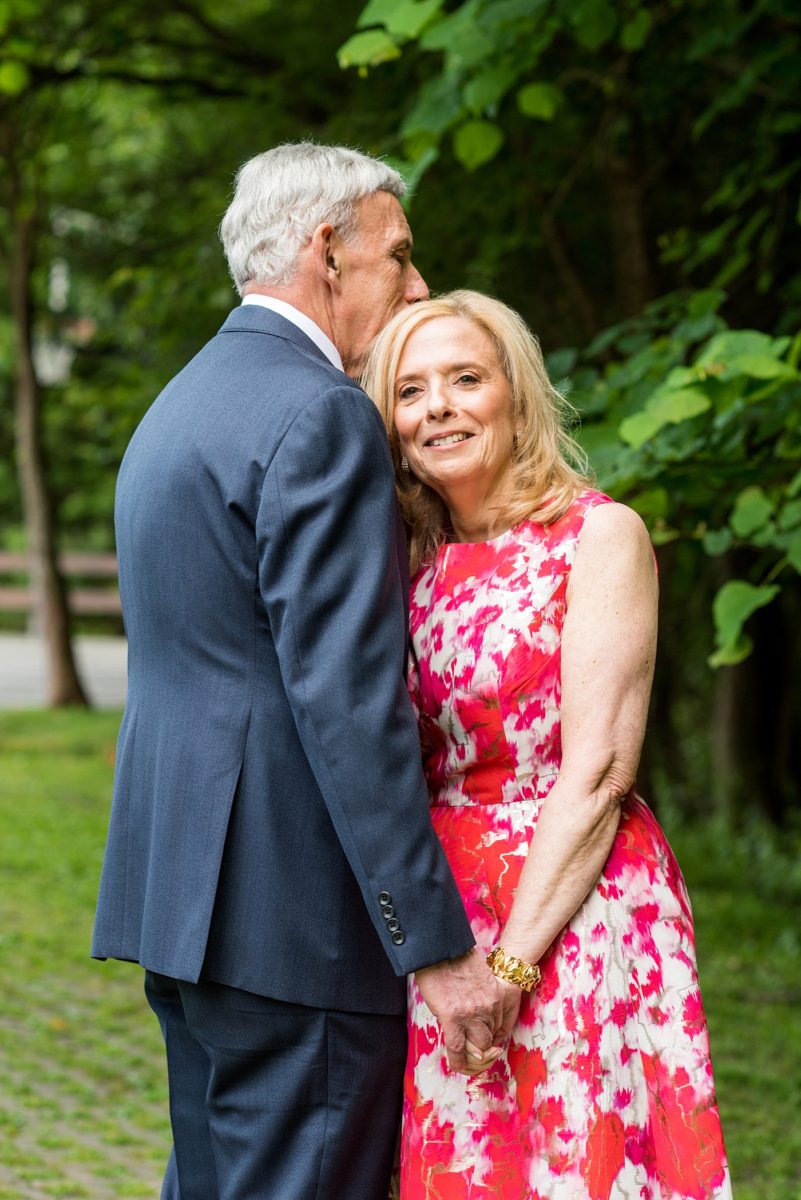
x: 632, y: 262
x: 726, y: 777
x: 735, y: 777
x: 659, y: 773
x: 772, y: 710
x: 580, y: 298
x: 64, y: 684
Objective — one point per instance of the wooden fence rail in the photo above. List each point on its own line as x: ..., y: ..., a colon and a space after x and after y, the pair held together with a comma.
x: 84, y: 598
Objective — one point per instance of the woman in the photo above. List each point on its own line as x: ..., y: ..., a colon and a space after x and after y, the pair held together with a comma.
x: 533, y: 622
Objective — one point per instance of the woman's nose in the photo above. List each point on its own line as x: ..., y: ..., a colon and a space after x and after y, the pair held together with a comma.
x: 439, y: 404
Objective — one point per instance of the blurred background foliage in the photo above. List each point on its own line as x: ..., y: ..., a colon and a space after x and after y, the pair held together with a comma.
x: 625, y: 174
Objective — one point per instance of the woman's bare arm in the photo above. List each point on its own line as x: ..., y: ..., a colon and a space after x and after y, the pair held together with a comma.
x: 608, y: 647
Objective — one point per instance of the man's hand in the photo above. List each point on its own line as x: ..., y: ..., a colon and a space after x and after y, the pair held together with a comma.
x: 476, y: 1011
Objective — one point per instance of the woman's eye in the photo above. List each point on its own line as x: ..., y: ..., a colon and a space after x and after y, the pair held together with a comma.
x: 408, y: 393
x: 467, y: 378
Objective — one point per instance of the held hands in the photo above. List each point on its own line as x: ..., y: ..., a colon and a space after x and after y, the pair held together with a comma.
x: 476, y: 1059
x: 476, y: 1010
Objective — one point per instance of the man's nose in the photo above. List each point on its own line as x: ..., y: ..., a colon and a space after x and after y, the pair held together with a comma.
x: 416, y: 287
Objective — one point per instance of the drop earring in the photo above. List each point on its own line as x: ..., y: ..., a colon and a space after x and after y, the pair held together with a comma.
x: 404, y: 463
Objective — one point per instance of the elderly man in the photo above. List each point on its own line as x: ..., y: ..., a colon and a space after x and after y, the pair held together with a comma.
x: 270, y: 860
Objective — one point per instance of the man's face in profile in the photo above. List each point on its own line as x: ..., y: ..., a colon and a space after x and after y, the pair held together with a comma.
x: 377, y: 273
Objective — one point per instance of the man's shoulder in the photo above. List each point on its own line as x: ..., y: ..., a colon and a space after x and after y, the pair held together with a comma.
x: 257, y: 342
x: 251, y: 390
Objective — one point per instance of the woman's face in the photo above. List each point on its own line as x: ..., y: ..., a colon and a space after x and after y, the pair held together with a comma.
x: 453, y: 410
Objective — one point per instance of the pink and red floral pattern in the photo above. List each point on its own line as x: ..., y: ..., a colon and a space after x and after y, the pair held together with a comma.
x: 605, y: 1090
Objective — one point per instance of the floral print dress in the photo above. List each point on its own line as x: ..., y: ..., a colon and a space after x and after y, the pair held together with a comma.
x: 605, y: 1090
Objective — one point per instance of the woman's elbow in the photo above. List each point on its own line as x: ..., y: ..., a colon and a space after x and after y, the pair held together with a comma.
x: 603, y: 786
x: 612, y: 789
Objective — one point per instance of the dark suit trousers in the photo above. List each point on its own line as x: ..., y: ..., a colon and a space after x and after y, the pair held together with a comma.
x: 276, y: 1101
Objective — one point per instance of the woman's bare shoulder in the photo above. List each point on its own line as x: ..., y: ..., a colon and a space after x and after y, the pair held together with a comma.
x: 613, y: 538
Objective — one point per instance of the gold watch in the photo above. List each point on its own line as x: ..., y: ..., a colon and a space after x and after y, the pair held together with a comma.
x: 514, y: 970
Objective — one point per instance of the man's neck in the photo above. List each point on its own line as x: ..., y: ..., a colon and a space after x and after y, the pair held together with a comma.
x: 300, y: 298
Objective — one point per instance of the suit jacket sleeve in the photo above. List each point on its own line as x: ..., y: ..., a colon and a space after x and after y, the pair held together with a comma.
x: 332, y: 584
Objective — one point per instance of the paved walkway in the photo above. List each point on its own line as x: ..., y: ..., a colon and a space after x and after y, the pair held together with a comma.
x: 101, y: 661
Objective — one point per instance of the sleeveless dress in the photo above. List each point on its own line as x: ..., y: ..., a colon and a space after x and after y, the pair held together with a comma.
x: 605, y: 1089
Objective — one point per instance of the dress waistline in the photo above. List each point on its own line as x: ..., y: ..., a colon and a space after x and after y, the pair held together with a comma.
x: 531, y: 789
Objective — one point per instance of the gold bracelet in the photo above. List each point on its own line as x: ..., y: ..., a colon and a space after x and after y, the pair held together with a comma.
x: 514, y: 970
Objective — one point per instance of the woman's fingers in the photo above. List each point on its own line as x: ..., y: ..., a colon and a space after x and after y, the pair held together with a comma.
x: 477, y: 1060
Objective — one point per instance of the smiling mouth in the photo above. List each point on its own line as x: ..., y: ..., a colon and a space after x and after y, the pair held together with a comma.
x: 450, y: 439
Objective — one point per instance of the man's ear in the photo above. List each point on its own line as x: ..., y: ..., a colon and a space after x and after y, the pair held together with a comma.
x: 326, y: 246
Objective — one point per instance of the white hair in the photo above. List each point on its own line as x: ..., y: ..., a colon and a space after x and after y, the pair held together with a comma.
x: 281, y: 197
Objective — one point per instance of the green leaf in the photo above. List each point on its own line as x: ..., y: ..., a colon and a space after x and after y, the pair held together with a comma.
x: 376, y: 12
x: 716, y: 541
x: 540, y: 100
x: 661, y: 535
x: 731, y: 655
x: 790, y: 515
x: 787, y: 122
x: 459, y: 36
x: 439, y: 104
x: 594, y: 22
x: 747, y: 352
x: 731, y: 608
x: 767, y: 535
x: 401, y: 18
x: 635, y: 431
x: 680, y: 377
x: 651, y: 504
x: 561, y: 362
x: 601, y: 442
x: 413, y: 171
x: 794, y: 552
x: 635, y: 32
x: 14, y: 78
x: 367, y: 49
x: 763, y: 366
x: 675, y: 405
x: 735, y: 603
x: 794, y: 486
x: 735, y: 341
x: 476, y: 142
x: 487, y: 88
x: 667, y: 406
x: 704, y: 302
x: 752, y: 509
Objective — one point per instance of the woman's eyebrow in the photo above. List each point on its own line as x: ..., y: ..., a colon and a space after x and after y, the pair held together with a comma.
x: 448, y: 367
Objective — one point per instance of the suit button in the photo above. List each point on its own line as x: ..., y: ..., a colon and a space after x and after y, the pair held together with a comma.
x: 399, y: 937
x: 393, y: 924
x: 387, y: 911
x: 384, y: 898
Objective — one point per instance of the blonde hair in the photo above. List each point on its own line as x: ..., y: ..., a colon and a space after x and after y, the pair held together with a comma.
x: 549, y: 468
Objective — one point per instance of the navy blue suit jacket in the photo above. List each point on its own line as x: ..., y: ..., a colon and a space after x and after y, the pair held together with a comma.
x: 270, y: 826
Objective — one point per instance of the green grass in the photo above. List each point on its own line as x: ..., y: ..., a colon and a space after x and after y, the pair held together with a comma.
x: 83, y: 1108
x: 82, y: 1084
x: 746, y: 895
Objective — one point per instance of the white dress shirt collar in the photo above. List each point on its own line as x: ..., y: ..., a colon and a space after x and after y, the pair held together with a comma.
x: 304, y: 323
